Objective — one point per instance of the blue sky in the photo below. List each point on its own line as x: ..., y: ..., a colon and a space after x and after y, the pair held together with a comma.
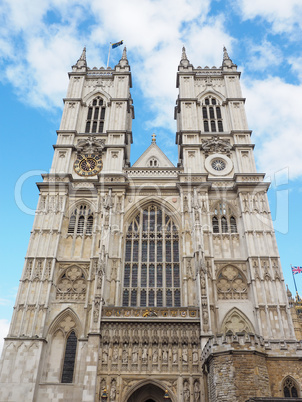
x: 40, y: 41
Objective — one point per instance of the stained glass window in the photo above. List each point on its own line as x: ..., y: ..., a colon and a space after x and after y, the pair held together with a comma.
x: 69, y: 358
x: 154, y: 278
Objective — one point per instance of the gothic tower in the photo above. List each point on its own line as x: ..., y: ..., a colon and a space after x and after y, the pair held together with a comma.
x: 152, y: 282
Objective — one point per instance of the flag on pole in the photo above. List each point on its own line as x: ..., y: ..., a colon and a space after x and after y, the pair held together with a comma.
x: 114, y: 45
x: 297, y: 270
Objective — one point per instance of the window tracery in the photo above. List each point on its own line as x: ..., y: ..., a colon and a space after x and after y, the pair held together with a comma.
x: 81, y: 221
x: 96, y: 116
x: 231, y: 284
x: 223, y: 220
x: 72, y: 284
x: 151, y: 271
x: 290, y: 388
x: 211, y: 114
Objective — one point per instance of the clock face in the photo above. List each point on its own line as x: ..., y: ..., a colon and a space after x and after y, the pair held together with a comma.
x: 88, y: 165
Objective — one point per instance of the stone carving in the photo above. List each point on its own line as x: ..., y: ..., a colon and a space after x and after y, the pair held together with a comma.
x: 186, y: 391
x: 67, y: 324
x: 196, y: 391
x: 155, y: 355
x: 145, y: 354
x: 90, y: 145
x: 113, y: 391
x: 105, y: 354
x: 125, y: 355
x: 216, y: 145
x: 185, y: 355
x: 115, y: 353
x: 235, y: 322
x: 231, y: 284
x: 165, y: 354
x: 135, y: 354
x: 174, y: 354
x: 72, y: 284
x: 195, y: 355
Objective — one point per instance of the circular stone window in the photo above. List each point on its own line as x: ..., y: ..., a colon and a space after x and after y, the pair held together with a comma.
x: 218, y: 165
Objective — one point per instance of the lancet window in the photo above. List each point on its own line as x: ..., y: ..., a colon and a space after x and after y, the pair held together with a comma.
x: 96, y: 116
x: 211, y: 114
x: 151, y: 271
x: 81, y: 221
x: 69, y: 358
x: 223, y: 220
x: 290, y: 388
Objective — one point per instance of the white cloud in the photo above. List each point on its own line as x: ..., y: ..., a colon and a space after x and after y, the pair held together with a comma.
x: 4, y: 327
x: 263, y: 56
x: 296, y: 63
x: 284, y: 15
x: 272, y: 108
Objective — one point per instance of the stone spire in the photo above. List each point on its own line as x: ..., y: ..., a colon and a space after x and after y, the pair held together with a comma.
x: 227, y: 61
x: 184, y: 62
x: 123, y: 61
x: 82, y: 60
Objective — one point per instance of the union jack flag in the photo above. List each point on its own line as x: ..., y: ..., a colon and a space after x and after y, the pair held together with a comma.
x: 297, y: 270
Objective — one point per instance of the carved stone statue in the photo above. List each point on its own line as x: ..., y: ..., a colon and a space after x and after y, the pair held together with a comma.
x: 165, y: 355
x: 186, y: 392
x: 195, y: 355
x: 115, y: 353
x: 155, y: 355
x: 113, y: 391
x: 185, y: 355
x: 174, y: 354
x: 125, y: 355
x: 134, y: 354
x: 145, y: 354
x: 105, y: 354
x: 196, y: 391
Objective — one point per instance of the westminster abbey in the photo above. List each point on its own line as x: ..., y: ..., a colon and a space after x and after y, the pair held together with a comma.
x: 152, y: 282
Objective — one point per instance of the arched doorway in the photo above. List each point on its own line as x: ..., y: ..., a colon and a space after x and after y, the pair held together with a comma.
x: 147, y: 393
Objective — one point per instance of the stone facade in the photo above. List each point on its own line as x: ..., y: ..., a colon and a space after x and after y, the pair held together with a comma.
x: 152, y: 282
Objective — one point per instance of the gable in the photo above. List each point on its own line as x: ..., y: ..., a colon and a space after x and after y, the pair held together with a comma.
x: 153, y: 157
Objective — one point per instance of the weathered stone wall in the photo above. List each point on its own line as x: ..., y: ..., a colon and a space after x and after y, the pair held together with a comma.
x: 279, y: 369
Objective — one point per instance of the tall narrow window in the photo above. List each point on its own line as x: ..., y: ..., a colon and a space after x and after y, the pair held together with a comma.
x: 154, y: 278
x: 69, y: 358
x: 223, y: 221
x: 212, y: 116
x: 215, y: 225
x: 81, y: 221
x: 95, y: 116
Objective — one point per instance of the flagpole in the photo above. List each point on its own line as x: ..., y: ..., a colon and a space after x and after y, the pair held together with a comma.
x: 294, y: 278
x: 108, y: 55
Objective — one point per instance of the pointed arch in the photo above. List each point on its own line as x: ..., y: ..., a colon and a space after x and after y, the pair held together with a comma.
x: 144, y: 383
x: 151, y: 257
x: 81, y: 218
x: 236, y: 321
x: 64, y: 316
x: 231, y: 283
x: 290, y: 387
x: 225, y: 217
x: 211, y: 92
x: 96, y: 92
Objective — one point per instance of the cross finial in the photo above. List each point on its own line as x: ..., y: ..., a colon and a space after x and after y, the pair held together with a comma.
x: 153, y: 138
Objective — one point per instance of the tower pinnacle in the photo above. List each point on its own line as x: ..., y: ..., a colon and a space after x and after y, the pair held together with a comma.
x: 82, y: 60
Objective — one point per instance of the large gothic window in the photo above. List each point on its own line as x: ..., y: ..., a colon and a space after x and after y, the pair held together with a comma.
x: 81, y: 221
x: 96, y: 116
x: 151, y: 272
x: 223, y: 220
x: 211, y: 114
